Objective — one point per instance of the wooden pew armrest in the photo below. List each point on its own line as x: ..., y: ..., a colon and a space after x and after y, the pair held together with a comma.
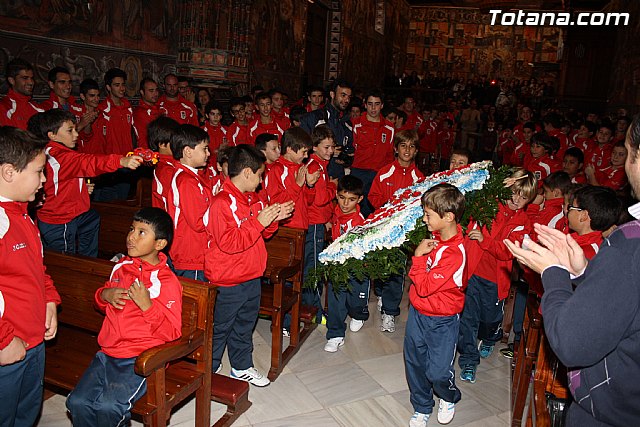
x: 280, y: 274
x: 157, y: 357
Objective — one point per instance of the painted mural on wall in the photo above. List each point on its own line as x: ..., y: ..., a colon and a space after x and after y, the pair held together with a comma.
x: 278, y: 49
x: 460, y: 42
x: 146, y: 25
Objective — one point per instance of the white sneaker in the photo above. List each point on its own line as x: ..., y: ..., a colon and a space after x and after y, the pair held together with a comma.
x: 219, y: 368
x: 286, y: 333
x: 379, y: 304
x: 419, y: 420
x: 388, y: 323
x: 446, y: 411
x: 355, y: 325
x: 252, y: 376
x: 333, y: 343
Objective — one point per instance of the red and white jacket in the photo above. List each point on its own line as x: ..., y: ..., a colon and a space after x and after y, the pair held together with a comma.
x: 321, y: 208
x: 428, y: 133
x: 25, y: 288
x: 414, y: 120
x: 612, y: 177
x: 86, y: 136
x: 341, y: 223
x: 182, y: 111
x: 550, y: 215
x: 439, y: 278
x: 128, y: 332
x: 72, y: 105
x: 161, y: 184
x: 281, y: 186
x: 236, y: 252
x: 238, y: 134
x: 542, y: 167
x: 590, y: 243
x: 518, y: 131
x: 520, y: 156
x: 564, y: 143
x: 144, y: 114
x: 217, y: 137
x: 65, y: 190
x: 373, y: 143
x: 16, y: 110
x: 112, y: 129
x: 276, y: 127
x: 491, y: 259
x: 188, y: 205
x: 598, y: 156
x: 389, y: 179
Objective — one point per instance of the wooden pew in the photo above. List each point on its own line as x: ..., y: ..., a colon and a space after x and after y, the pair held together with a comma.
x: 284, y: 264
x: 174, y: 371
x: 525, y: 358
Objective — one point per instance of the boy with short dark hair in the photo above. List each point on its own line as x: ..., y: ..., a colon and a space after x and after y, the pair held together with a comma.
x: 238, y: 131
x: 459, y: 157
x: 143, y: 305
x: 489, y: 267
x: 30, y: 300
x: 66, y: 222
x: 572, y: 164
x: 353, y: 301
x: 541, y: 162
x: 190, y: 201
x: 600, y: 153
x: 159, y: 134
x: 521, y: 154
x: 437, y: 299
x: 236, y: 259
x: 266, y: 122
x: 613, y: 175
x: 90, y: 96
x: 213, y: 127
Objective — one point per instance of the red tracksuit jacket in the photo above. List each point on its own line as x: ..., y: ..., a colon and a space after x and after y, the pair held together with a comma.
x: 238, y: 134
x: 614, y: 178
x: 321, y: 208
x: 16, y: 110
x: 542, y: 167
x: 491, y: 259
x: 189, y: 205
x: 73, y: 107
x: 65, y: 190
x: 389, y: 179
x: 217, y: 137
x: 598, y: 156
x: 590, y: 243
x: 341, y: 223
x: 130, y: 331
x: 112, y: 129
x: 551, y: 215
x: 144, y: 114
x: 280, y: 185
x: 25, y: 288
x: 161, y: 184
x: 439, y: 278
x: 373, y: 142
x: 236, y: 252
x: 182, y: 110
x: 276, y: 127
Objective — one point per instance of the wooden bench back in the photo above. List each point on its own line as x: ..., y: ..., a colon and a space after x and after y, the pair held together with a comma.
x: 284, y: 248
x: 78, y: 278
x: 115, y: 221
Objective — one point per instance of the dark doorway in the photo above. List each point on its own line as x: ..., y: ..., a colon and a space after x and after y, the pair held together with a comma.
x: 315, y: 52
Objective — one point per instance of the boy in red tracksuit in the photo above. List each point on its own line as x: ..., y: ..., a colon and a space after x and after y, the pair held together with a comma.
x: 175, y: 106
x: 143, y: 305
x: 236, y: 259
x: 354, y: 300
x: 572, y: 164
x: 159, y: 134
x: 90, y: 96
x: 189, y: 201
x: 288, y: 179
x: 265, y: 122
x: 547, y: 207
x: 600, y: 153
x: 238, y: 131
x: 217, y: 133
x: 489, y: 265
x: 592, y: 210
x: 146, y: 111
x: 399, y: 174
x: 65, y: 216
x: 319, y: 210
x: 28, y: 313
x: 16, y: 107
x: 541, y: 164
x: 437, y: 299
x: 521, y: 153
x: 613, y: 175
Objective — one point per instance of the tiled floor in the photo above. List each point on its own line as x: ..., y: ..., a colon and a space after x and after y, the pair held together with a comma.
x: 363, y: 384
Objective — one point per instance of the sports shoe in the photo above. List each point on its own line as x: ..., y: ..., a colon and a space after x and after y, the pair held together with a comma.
x: 388, y: 323
x: 333, y: 343
x: 468, y: 374
x: 380, y: 304
x: 219, y: 368
x: 285, y: 332
x: 355, y: 325
x: 419, y: 420
x: 485, y: 350
x: 507, y: 351
x: 446, y: 411
x: 252, y: 376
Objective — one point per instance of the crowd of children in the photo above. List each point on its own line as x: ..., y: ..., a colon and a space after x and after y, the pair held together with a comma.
x: 218, y: 192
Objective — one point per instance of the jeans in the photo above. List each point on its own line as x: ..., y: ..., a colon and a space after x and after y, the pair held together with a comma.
x: 78, y: 236
x: 106, y: 392
x: 21, y: 389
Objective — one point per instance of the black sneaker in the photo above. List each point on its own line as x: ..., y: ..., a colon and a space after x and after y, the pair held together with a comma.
x: 507, y: 352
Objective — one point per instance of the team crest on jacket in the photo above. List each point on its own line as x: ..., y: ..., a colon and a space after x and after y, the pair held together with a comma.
x: 129, y: 118
x: 183, y: 115
x: 104, y: 130
x: 384, y: 138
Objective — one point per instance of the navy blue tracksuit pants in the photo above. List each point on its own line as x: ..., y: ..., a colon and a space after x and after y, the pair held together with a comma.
x: 313, y: 245
x: 391, y: 293
x: 481, y: 319
x: 353, y: 302
x: 429, y: 351
x: 234, y: 319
